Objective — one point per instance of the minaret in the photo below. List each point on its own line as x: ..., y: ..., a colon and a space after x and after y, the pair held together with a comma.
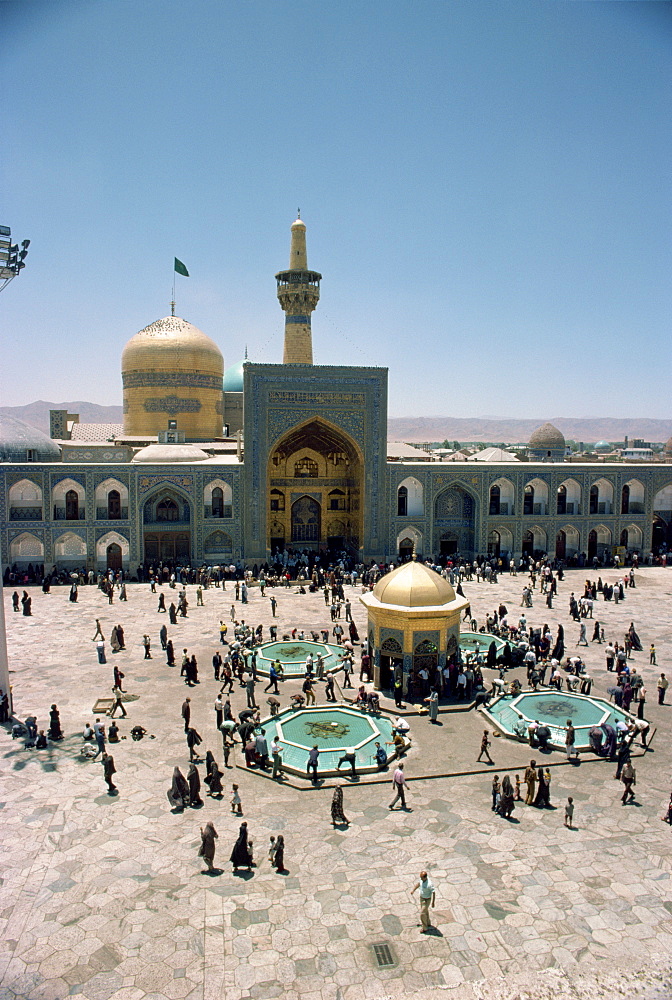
x: 298, y: 293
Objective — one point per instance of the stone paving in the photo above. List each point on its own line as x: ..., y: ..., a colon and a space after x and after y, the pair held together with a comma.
x: 104, y: 896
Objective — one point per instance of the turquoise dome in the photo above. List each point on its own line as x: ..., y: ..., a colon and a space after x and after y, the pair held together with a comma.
x: 233, y: 377
x: 602, y: 446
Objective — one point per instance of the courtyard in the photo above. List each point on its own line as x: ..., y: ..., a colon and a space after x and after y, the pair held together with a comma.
x: 104, y: 896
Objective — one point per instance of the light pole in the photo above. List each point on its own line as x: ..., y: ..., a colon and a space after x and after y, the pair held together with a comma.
x: 12, y: 257
x: 12, y: 262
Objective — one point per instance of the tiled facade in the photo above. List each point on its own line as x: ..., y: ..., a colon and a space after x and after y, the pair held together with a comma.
x: 310, y: 469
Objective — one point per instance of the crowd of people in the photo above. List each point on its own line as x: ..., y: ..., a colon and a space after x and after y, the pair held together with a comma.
x: 504, y: 642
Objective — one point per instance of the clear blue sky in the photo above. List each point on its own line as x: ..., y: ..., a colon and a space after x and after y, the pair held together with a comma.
x: 486, y: 186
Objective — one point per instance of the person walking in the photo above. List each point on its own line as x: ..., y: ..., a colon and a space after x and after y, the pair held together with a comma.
x: 569, y: 812
x: 240, y: 855
x: 399, y: 784
x: 219, y: 710
x: 108, y: 770
x: 629, y: 779
x: 186, y: 713
x: 99, y: 631
x: 279, y: 854
x: 117, y: 692
x: 274, y: 605
x: 337, y: 814
x: 193, y: 740
x: 249, y: 691
x: 194, y: 781
x: 662, y: 686
x: 273, y: 678
x: 427, y: 898
x: 308, y: 691
x: 485, y: 744
x: 207, y: 848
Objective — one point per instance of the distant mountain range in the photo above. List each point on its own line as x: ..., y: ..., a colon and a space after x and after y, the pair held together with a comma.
x: 587, y: 429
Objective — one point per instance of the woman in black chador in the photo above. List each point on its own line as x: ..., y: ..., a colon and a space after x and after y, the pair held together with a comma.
x: 178, y: 793
x: 213, y: 777
x: 543, y: 797
x: 194, y: 780
x: 279, y: 856
x: 240, y: 856
x: 55, y: 731
x: 559, y: 648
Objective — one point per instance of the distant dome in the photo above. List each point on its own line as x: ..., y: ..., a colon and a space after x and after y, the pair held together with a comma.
x: 155, y: 454
x: 233, y: 377
x: 602, y: 446
x: 19, y: 442
x: 547, y: 436
x: 172, y: 370
x: 414, y: 585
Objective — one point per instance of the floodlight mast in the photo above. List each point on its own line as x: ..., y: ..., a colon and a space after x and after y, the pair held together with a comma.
x: 12, y: 257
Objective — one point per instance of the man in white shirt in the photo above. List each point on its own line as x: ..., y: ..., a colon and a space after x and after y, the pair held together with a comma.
x: 427, y: 896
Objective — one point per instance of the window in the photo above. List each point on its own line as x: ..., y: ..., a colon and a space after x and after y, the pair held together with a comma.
x: 594, y: 499
x: 495, y: 494
x: 625, y: 504
x: 113, y: 505
x: 167, y: 510
x: 528, y: 500
x: 402, y: 501
x: 71, y: 506
x: 562, y: 500
x: 337, y: 500
x: 277, y: 500
x: 218, y: 502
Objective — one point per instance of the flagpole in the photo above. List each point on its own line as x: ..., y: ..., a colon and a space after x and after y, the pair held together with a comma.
x: 172, y: 302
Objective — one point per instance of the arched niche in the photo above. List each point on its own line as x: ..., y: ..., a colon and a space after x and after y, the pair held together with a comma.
x: 25, y: 501
x: 26, y: 548
x: 568, y: 498
x: 218, y: 499
x: 68, y: 498
x: 501, y: 497
x: 535, y: 497
x: 111, y: 498
x: 410, y: 498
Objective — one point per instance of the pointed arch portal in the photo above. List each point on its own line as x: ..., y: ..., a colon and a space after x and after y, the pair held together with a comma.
x: 313, y: 469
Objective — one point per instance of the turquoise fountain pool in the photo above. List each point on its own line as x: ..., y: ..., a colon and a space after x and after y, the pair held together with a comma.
x: 292, y: 654
x: 512, y: 715
x: 333, y: 730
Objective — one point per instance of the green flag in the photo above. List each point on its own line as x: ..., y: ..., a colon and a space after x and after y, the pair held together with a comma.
x: 180, y: 268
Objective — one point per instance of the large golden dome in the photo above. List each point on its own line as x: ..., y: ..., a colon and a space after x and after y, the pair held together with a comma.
x: 414, y: 585
x: 172, y: 371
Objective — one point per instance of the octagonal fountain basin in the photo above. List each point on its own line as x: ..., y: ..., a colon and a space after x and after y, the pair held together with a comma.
x: 512, y: 715
x: 334, y: 731
x: 292, y: 654
x: 470, y: 641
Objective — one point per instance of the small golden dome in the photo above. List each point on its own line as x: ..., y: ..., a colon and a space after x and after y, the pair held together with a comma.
x: 414, y: 585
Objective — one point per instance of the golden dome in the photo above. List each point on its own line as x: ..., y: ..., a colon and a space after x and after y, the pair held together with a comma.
x: 414, y: 585
x: 172, y: 371
x: 172, y: 344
